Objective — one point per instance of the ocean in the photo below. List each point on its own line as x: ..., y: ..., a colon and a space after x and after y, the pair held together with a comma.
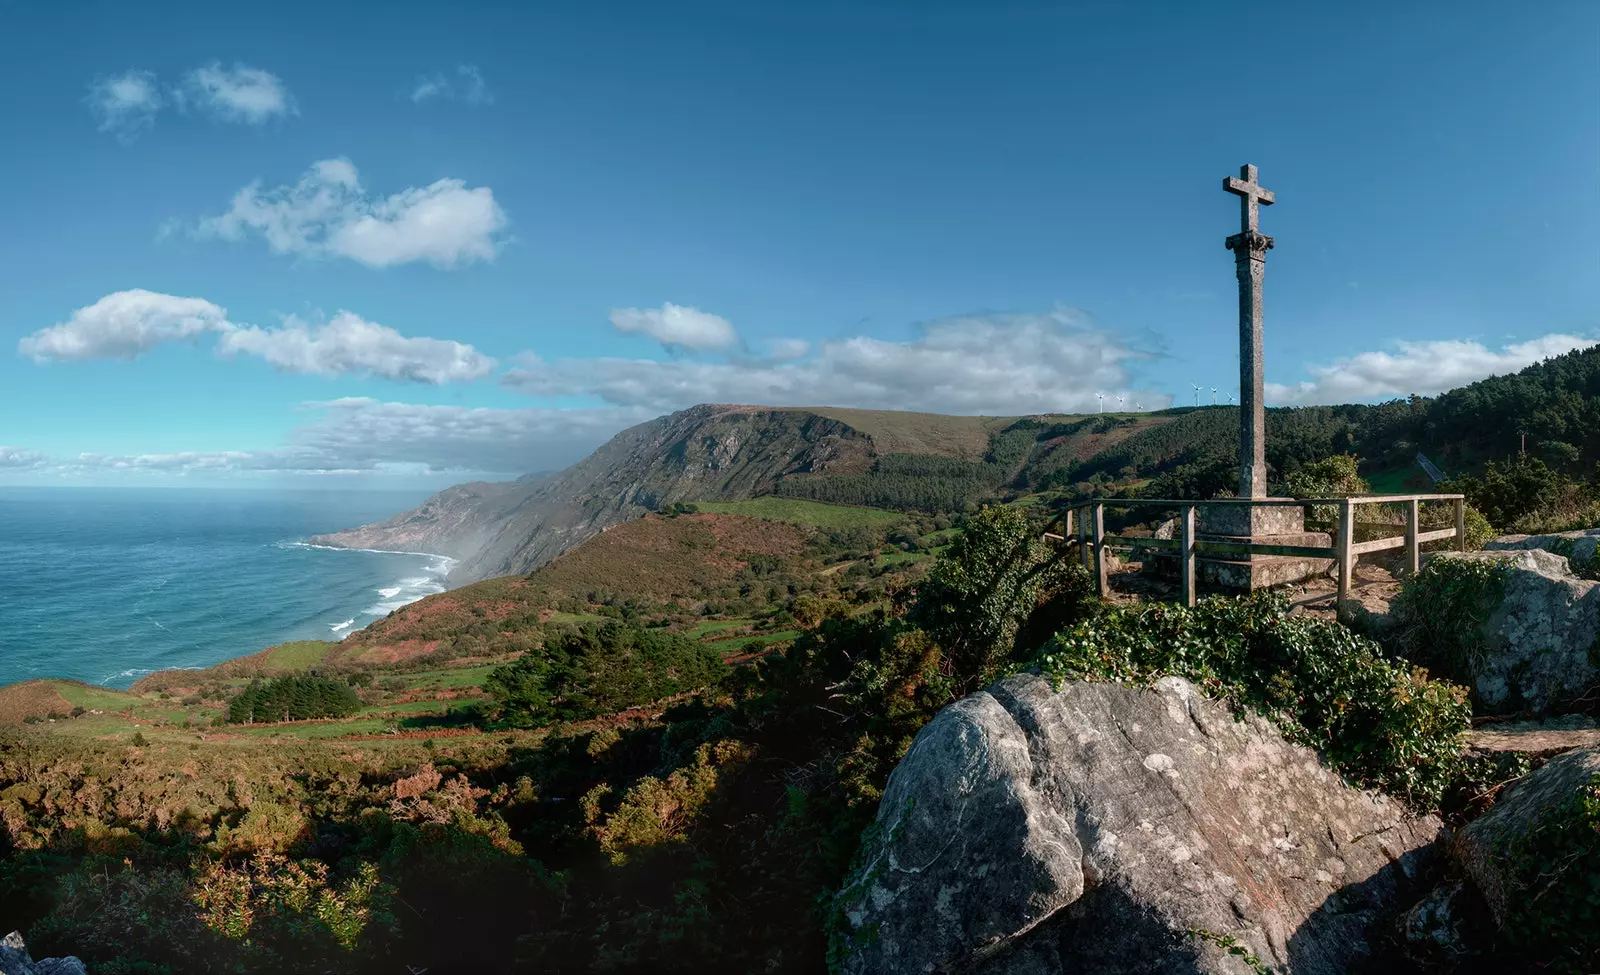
x: 108, y: 584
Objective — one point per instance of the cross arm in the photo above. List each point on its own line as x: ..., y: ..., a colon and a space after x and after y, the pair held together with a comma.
x: 1234, y: 184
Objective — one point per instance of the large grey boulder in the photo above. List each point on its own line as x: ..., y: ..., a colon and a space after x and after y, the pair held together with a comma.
x: 1577, y: 546
x: 1108, y: 828
x: 14, y: 960
x: 1484, y: 848
x: 1539, y: 640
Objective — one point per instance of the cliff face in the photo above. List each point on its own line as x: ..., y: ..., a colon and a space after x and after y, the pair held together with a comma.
x: 706, y: 453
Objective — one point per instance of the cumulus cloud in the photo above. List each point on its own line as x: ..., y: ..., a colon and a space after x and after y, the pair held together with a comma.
x: 328, y: 214
x: 675, y: 326
x: 124, y: 325
x: 978, y: 364
x: 125, y: 104
x: 237, y: 94
x: 127, y: 324
x: 466, y: 85
x: 350, y: 344
x: 1424, y: 368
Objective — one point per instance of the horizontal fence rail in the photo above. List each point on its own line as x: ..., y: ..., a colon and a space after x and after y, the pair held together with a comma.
x: 1083, y: 523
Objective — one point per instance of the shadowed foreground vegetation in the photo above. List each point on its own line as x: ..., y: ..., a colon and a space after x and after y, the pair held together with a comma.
x: 618, y: 795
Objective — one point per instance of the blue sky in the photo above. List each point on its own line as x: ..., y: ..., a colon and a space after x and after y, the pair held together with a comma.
x: 359, y: 243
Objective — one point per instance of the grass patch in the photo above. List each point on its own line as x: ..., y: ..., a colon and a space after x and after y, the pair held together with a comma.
x: 798, y: 511
x: 700, y: 630
x: 448, y: 678
x: 557, y: 616
x: 900, y: 558
x: 740, y: 644
x: 300, y: 655
x: 900, y: 432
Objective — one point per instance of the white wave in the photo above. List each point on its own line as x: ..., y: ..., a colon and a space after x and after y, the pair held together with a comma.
x: 446, y: 560
x: 336, y: 627
x: 404, y: 591
x: 135, y: 673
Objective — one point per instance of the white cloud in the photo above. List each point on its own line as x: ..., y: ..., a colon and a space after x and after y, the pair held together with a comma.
x: 361, y: 433
x: 980, y: 364
x: 467, y: 85
x: 785, y: 350
x: 328, y: 214
x: 126, y: 104
x: 237, y: 94
x: 675, y: 326
x: 350, y: 344
x: 124, y: 325
x: 15, y: 458
x: 1424, y: 368
x: 357, y: 435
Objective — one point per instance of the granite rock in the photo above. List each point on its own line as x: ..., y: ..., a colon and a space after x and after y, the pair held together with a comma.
x: 1483, y: 848
x: 1097, y: 828
x: 1577, y: 546
x: 1539, y: 640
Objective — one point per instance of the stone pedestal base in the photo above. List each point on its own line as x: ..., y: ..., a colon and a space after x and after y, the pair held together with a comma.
x: 1271, y: 525
x: 1260, y: 525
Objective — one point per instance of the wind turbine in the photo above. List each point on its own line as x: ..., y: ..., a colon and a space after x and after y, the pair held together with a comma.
x: 1121, y: 400
x: 1138, y: 405
x: 1101, y: 408
x: 1196, y: 395
x: 1213, y: 396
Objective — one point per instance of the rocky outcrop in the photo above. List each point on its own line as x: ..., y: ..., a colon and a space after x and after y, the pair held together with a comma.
x: 706, y: 453
x: 14, y: 960
x: 1539, y: 639
x: 1485, y: 848
x: 1577, y: 546
x: 1108, y: 828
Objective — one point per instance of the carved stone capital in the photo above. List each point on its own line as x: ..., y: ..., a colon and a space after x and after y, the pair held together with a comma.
x: 1250, y: 244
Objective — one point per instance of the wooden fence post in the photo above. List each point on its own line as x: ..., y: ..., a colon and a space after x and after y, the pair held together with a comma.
x: 1347, y: 560
x: 1100, y: 549
x: 1186, y: 555
x: 1413, y: 550
x: 1083, y: 539
x: 1461, y: 524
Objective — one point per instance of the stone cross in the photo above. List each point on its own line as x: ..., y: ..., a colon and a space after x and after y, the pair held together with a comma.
x: 1250, y: 248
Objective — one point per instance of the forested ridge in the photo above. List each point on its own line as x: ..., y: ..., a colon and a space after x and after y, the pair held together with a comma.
x: 1550, y: 409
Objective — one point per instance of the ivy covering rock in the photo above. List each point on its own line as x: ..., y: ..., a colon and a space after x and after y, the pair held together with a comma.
x: 1377, y: 719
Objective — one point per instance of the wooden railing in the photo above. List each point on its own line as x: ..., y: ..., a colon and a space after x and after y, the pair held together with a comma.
x: 1088, y: 518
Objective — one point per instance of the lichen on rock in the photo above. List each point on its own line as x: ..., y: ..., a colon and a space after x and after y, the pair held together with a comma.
x: 1101, y: 827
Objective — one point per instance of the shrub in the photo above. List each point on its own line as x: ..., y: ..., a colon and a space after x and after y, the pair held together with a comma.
x: 977, y: 600
x: 1525, y: 494
x: 1376, y: 720
x: 600, y: 669
x: 1553, y: 921
x: 1478, y: 528
x: 1330, y: 477
x: 1442, y: 610
x: 293, y: 698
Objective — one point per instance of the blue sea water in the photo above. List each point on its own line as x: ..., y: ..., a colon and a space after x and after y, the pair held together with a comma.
x: 108, y: 584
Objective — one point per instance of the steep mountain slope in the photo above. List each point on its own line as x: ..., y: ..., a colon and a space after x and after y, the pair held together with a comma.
x: 704, y: 453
